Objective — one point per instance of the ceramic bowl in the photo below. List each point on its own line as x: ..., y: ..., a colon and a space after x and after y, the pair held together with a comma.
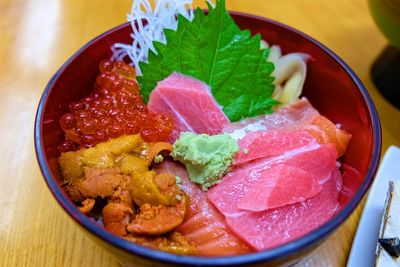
x: 331, y: 86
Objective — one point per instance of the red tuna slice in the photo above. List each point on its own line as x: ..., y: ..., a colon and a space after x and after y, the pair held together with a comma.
x: 318, y: 160
x: 203, y: 224
x: 234, y: 185
x: 279, y: 186
x: 292, y: 116
x: 191, y: 104
x: 260, y: 144
x: 321, y: 162
x: 300, y: 115
x: 271, y: 228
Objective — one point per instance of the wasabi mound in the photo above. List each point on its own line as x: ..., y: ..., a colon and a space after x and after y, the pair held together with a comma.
x: 206, y: 157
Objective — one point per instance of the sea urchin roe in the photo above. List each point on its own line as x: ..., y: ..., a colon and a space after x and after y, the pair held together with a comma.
x: 154, y: 189
x: 154, y: 149
x: 130, y: 164
x: 87, y: 205
x: 158, y: 220
x: 117, y: 171
x: 116, y: 217
x: 172, y: 243
x: 113, y: 109
x: 92, y: 172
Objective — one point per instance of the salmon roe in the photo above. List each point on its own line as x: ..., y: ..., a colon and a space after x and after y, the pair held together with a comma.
x: 114, y: 108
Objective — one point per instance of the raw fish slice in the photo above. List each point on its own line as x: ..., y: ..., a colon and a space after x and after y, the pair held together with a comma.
x: 233, y: 187
x: 177, y: 81
x: 236, y: 183
x: 203, y: 224
x: 261, y: 143
x: 319, y: 160
x: 191, y: 104
x: 279, y: 186
x: 268, y: 229
x: 158, y: 104
x: 327, y: 133
x: 292, y: 116
x: 300, y: 115
x: 211, y: 235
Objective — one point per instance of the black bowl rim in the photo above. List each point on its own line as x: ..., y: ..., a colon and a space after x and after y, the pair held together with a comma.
x: 256, y: 257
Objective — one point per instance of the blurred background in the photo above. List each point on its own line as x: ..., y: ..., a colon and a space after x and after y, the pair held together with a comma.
x: 38, y: 36
x: 386, y: 68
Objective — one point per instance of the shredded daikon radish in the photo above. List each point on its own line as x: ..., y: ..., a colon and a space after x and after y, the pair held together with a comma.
x: 290, y: 73
x: 148, y: 25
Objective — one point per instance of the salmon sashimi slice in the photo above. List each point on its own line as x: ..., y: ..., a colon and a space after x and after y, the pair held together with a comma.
x: 211, y: 235
x: 260, y: 144
x: 327, y: 132
x: 191, y: 104
x: 271, y: 228
x: 203, y: 224
x: 279, y: 186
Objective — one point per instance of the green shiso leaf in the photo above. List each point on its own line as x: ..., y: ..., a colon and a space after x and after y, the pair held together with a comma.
x: 213, y: 49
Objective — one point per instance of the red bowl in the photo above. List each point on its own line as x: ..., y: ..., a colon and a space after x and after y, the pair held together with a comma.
x: 331, y: 86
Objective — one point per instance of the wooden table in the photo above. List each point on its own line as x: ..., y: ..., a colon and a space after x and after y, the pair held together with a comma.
x: 37, y: 36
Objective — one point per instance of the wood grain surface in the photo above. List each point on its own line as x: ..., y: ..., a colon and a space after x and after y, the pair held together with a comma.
x: 37, y: 36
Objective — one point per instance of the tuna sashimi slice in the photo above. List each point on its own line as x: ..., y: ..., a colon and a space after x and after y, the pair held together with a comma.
x: 260, y: 144
x: 321, y: 162
x: 279, y: 186
x: 300, y: 115
x: 191, y: 104
x: 268, y: 229
x: 203, y: 224
x: 318, y: 160
x: 291, y: 116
